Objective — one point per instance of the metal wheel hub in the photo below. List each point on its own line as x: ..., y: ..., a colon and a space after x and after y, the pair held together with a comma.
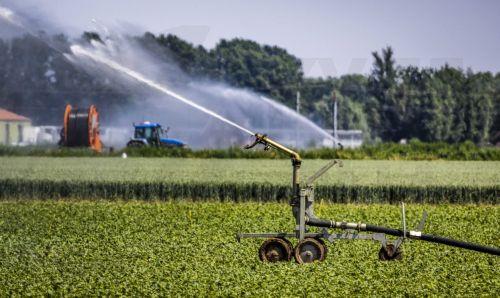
x: 309, y: 250
x: 275, y: 250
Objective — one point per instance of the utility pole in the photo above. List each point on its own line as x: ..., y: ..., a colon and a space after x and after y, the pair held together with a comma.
x: 334, y: 99
x: 297, y: 109
x: 298, y: 102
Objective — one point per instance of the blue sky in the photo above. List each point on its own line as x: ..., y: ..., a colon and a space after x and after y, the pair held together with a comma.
x: 331, y: 37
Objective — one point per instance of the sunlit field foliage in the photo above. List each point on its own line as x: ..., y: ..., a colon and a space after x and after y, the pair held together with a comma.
x: 138, y: 248
x: 243, y: 180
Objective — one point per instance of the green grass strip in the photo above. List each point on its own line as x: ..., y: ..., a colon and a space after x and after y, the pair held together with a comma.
x: 240, y: 192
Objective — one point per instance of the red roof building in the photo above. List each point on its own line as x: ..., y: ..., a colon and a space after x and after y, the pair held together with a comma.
x: 9, y: 116
x: 13, y: 128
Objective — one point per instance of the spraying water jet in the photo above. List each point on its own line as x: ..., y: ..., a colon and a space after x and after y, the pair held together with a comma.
x: 217, y: 101
x: 80, y: 51
x: 9, y: 16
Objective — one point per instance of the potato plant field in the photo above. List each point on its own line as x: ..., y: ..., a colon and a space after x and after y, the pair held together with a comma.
x: 247, y: 180
x: 179, y: 248
x: 166, y: 226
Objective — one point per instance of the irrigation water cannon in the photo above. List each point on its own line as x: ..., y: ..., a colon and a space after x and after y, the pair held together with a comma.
x: 311, y: 245
x: 81, y: 128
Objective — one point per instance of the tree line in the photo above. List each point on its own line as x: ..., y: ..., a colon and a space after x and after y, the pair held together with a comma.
x: 413, y: 150
x: 391, y: 103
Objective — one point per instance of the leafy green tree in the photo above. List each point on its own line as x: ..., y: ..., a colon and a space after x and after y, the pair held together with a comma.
x: 193, y: 60
x: 350, y: 114
x: 354, y: 86
x: 456, y: 80
x: 381, y: 85
x: 495, y: 127
x: 428, y: 105
x: 267, y: 69
x: 479, y: 106
x: 4, y: 62
x: 393, y: 102
x: 313, y: 90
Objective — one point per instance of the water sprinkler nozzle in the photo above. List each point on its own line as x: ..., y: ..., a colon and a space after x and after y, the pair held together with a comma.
x: 268, y: 143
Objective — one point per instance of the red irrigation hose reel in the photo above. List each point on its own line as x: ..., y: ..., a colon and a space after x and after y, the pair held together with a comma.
x: 81, y: 128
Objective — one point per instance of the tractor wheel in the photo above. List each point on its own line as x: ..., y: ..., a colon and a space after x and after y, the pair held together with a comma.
x: 275, y: 250
x: 310, y: 250
x: 135, y: 144
x: 388, y: 253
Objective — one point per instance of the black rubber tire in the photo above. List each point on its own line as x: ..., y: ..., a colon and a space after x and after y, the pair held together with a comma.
x: 135, y: 144
x: 275, y: 250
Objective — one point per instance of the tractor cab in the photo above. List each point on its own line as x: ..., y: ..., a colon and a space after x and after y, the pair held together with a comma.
x: 151, y: 134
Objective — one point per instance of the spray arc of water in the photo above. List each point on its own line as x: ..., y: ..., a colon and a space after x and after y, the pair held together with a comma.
x: 80, y: 51
x: 256, y: 113
x: 287, y: 110
x: 77, y: 50
x: 9, y: 16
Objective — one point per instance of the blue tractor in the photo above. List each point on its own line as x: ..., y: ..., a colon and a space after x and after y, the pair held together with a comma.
x: 151, y: 134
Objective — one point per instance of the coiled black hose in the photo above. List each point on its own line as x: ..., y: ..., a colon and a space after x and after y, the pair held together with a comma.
x: 78, y: 128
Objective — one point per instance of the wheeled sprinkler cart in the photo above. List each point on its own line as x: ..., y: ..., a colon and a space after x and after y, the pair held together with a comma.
x: 311, y: 246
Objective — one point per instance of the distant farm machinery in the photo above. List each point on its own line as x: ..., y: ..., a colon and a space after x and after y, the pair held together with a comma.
x: 151, y: 134
x: 311, y: 245
x: 81, y: 129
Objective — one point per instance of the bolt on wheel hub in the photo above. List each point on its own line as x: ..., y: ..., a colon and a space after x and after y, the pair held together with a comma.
x: 309, y: 250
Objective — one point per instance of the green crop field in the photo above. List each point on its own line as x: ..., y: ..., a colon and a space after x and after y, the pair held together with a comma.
x: 240, y: 180
x: 84, y: 248
x: 418, y: 173
x: 182, y: 241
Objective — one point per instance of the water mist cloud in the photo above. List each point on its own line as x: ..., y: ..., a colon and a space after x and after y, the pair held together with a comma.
x: 202, y: 113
